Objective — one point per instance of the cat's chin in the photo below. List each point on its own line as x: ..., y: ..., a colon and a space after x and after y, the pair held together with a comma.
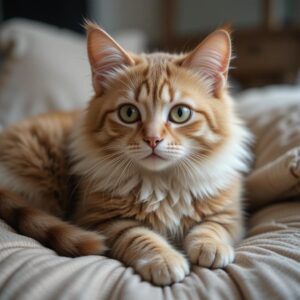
x: 155, y: 163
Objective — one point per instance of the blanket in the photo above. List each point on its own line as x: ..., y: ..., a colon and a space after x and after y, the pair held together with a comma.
x: 267, y: 266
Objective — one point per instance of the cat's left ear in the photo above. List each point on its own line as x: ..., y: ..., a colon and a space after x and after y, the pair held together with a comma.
x: 106, y: 56
x: 211, y: 60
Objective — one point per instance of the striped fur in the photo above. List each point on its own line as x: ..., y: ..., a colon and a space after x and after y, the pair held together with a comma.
x: 34, y: 185
x: 152, y: 212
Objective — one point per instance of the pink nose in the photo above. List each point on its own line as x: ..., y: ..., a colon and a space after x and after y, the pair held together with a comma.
x: 152, y: 141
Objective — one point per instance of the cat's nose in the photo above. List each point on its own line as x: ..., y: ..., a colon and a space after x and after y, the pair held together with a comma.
x: 152, y: 141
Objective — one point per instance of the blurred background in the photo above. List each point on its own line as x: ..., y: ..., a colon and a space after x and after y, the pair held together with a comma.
x: 266, y: 33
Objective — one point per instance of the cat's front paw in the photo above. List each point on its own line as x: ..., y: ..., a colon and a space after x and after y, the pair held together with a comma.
x: 210, y: 253
x: 164, y: 268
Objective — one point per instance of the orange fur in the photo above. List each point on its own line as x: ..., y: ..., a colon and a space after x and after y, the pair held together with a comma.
x: 153, y: 188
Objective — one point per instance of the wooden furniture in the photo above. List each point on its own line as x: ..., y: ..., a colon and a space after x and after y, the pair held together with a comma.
x: 266, y: 54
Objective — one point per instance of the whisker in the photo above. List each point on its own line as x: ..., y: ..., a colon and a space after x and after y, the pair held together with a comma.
x: 123, y: 173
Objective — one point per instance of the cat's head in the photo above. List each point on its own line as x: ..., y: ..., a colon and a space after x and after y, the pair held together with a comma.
x: 156, y: 111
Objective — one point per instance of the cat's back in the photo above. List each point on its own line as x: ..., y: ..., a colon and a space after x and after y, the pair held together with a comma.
x: 34, y: 158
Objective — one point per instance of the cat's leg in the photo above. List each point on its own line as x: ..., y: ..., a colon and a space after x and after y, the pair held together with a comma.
x: 146, y: 251
x: 210, y: 244
x: 64, y: 238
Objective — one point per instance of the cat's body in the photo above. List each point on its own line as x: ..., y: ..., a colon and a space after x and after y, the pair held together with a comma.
x: 154, y: 161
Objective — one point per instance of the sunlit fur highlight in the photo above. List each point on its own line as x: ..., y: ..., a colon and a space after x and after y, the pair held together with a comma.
x: 158, y: 213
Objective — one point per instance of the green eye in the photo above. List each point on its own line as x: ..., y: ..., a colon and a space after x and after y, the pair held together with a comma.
x: 128, y: 113
x: 180, y: 114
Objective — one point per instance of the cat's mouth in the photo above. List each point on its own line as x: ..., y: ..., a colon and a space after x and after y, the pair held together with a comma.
x: 154, y: 162
x: 153, y: 155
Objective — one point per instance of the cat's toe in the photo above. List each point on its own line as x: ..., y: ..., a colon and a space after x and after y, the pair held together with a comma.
x: 72, y: 241
x: 90, y: 244
x: 211, y: 254
x: 163, y: 270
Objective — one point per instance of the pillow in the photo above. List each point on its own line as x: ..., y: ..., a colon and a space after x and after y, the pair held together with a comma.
x: 273, y: 115
x: 46, y: 68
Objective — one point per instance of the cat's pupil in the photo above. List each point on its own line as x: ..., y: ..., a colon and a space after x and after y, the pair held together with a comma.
x: 180, y: 112
x: 129, y: 112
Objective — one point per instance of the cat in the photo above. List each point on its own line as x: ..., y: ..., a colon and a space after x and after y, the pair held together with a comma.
x: 151, y: 173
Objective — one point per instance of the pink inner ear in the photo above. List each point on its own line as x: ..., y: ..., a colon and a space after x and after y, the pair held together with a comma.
x: 106, y: 57
x: 211, y: 60
x: 108, y: 60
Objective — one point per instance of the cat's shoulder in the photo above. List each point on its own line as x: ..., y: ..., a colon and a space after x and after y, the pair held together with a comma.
x: 38, y: 136
x: 33, y: 153
x: 43, y: 127
x: 34, y: 157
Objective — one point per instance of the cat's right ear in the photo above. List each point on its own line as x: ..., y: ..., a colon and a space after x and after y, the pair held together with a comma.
x: 210, y: 59
x: 106, y: 56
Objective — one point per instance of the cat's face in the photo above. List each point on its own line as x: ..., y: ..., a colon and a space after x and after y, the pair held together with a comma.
x: 162, y: 122
x: 157, y: 111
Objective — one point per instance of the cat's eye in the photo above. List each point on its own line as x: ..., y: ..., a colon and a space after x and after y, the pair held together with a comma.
x: 128, y: 113
x: 180, y: 114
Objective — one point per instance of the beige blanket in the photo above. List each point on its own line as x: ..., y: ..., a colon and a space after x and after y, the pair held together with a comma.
x: 267, y: 266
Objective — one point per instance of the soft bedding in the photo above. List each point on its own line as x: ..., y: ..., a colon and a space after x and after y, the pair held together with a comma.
x: 267, y: 264
x: 273, y: 114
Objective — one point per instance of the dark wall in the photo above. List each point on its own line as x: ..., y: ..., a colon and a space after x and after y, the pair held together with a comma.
x: 63, y: 13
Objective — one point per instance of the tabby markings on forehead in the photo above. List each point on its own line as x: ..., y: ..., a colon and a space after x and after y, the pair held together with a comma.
x: 143, y: 93
x: 177, y: 95
x: 130, y: 94
x: 166, y: 93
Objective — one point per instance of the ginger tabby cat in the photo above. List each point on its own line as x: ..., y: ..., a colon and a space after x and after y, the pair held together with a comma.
x: 149, y: 174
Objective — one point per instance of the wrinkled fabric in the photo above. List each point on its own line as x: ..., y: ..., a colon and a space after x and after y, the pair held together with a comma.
x: 267, y: 266
x: 273, y: 115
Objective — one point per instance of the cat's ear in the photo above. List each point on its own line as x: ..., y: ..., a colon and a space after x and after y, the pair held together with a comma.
x: 106, y: 56
x: 211, y: 60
